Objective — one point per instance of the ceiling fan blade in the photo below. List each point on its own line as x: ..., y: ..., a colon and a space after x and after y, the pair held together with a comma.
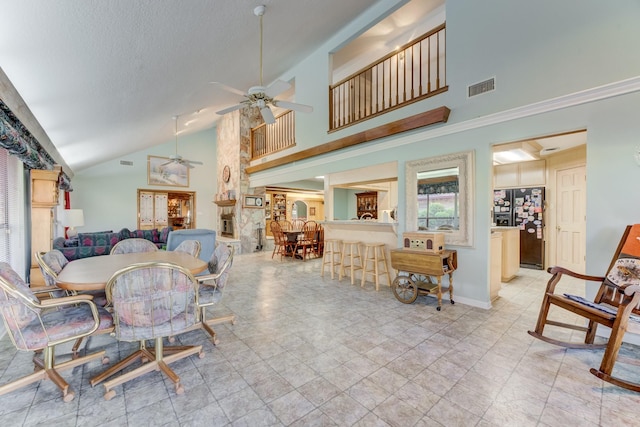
x: 267, y: 115
x: 166, y: 163
x: 193, y: 162
x: 229, y: 88
x: 230, y: 109
x: 276, y: 88
x: 293, y: 106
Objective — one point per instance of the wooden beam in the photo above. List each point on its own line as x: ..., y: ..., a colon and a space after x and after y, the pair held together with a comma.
x: 431, y: 117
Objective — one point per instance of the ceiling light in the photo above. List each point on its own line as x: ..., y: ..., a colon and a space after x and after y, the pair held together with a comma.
x: 516, y: 152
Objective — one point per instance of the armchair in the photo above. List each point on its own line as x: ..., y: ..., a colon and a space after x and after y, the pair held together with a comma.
x: 207, y: 239
x: 133, y: 245
x: 35, y: 325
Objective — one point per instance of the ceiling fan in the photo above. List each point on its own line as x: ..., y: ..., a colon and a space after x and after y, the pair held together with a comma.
x: 176, y: 158
x: 261, y: 96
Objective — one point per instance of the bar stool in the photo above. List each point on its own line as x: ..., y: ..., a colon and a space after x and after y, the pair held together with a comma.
x: 350, y: 249
x: 331, y: 251
x: 373, y: 255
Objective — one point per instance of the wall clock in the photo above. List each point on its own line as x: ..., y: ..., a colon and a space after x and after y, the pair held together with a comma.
x: 226, y: 173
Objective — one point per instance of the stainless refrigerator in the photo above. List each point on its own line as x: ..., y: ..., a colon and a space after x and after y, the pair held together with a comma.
x: 523, y: 208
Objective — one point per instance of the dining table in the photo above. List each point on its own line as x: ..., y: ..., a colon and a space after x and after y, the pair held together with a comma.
x: 292, y: 237
x: 93, y: 273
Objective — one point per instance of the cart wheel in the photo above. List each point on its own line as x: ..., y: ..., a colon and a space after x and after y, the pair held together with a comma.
x: 420, y: 280
x: 452, y: 302
x: 438, y: 308
x: 404, y: 289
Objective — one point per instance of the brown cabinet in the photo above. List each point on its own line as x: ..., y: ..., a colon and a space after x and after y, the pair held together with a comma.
x: 275, y: 209
x: 367, y: 203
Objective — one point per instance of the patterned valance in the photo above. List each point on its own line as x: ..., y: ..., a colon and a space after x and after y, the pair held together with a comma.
x: 439, y: 187
x: 17, y: 139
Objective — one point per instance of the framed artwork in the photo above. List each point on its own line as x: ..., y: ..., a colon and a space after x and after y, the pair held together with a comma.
x: 164, y: 171
x: 312, y: 211
x: 252, y: 201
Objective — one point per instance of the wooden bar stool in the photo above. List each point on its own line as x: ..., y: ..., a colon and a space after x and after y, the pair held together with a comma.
x: 350, y: 253
x: 332, y: 249
x: 374, y: 254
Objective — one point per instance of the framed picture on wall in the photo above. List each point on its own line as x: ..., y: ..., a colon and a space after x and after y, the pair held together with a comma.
x: 312, y: 211
x: 164, y: 171
x: 252, y: 201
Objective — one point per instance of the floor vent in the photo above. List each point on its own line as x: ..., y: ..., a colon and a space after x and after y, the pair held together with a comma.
x: 126, y: 162
x: 482, y: 87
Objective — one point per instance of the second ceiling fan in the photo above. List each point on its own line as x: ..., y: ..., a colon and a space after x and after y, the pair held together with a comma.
x: 263, y: 97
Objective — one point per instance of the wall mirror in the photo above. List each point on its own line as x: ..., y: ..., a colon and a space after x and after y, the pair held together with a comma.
x: 439, y: 194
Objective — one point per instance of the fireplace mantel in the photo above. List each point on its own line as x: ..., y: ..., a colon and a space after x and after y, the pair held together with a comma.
x: 225, y: 202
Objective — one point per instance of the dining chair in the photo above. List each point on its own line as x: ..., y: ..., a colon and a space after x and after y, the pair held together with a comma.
x: 212, y: 287
x: 616, y: 306
x: 279, y: 239
x: 297, y: 224
x: 206, y: 237
x: 151, y: 301
x: 40, y: 325
x: 133, y: 245
x: 306, y: 240
x: 51, y: 264
x: 191, y: 247
x: 285, y: 225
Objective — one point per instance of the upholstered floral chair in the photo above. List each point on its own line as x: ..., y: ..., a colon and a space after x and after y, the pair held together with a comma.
x: 212, y: 288
x: 51, y: 264
x: 129, y: 246
x: 192, y: 247
x: 35, y: 325
x: 151, y: 301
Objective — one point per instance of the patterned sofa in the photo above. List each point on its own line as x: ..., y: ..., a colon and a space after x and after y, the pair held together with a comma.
x: 101, y: 242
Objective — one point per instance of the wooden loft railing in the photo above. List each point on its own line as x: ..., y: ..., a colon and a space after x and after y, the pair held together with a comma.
x: 415, y: 71
x: 268, y: 139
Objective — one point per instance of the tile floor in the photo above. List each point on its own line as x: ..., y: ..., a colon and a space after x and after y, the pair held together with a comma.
x: 308, y: 351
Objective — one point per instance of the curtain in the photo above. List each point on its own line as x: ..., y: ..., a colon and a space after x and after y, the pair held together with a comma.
x: 18, y: 141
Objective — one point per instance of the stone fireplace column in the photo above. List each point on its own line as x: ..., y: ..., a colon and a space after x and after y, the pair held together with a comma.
x: 234, y: 151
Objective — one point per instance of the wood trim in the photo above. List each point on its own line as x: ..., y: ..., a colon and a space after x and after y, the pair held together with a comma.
x: 437, y: 115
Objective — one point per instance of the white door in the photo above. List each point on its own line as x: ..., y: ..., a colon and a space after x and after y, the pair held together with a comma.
x: 571, y: 218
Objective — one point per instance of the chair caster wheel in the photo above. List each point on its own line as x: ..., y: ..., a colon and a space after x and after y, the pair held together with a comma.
x: 201, y: 355
x: 172, y: 339
x: 105, y: 360
x: 179, y: 389
x: 110, y: 395
x: 452, y: 302
x: 69, y: 396
x: 438, y: 308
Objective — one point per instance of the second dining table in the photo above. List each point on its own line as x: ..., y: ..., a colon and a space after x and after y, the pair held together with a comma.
x: 93, y: 273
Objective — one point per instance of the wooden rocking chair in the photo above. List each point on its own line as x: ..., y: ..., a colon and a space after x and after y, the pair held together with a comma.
x: 615, y: 306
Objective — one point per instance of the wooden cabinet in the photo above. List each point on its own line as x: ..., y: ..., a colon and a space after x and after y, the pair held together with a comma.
x: 44, y: 197
x: 276, y: 209
x: 525, y: 174
x: 510, y: 252
x: 159, y: 209
x: 367, y: 203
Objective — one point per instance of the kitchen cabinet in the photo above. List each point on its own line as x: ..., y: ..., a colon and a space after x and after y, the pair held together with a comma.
x: 510, y: 252
x: 367, y: 203
x: 524, y: 174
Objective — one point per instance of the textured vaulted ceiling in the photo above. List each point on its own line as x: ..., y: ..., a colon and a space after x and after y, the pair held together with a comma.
x: 105, y: 77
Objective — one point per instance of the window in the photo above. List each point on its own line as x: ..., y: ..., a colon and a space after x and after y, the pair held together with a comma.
x: 438, y: 203
x: 12, y: 209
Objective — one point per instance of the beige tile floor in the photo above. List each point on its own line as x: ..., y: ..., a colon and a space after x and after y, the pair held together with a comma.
x: 308, y: 351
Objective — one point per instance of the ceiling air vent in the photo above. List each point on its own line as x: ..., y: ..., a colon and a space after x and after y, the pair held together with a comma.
x: 482, y: 87
x: 126, y: 162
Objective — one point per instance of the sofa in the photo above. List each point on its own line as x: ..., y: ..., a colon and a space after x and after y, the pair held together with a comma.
x: 101, y: 242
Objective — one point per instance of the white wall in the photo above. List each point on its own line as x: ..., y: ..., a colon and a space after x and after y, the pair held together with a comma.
x: 107, y: 192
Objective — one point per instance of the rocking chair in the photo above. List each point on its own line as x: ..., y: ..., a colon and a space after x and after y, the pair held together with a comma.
x: 615, y: 306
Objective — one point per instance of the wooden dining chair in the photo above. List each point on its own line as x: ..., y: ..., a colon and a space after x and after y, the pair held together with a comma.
x: 279, y: 240
x: 40, y: 325
x: 616, y: 305
x: 297, y: 224
x: 305, y: 241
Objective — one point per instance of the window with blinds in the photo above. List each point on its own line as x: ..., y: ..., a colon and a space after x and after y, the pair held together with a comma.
x: 13, y: 225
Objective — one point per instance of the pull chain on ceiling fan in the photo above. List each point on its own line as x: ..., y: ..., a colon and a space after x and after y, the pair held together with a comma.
x: 264, y: 97
x: 176, y: 158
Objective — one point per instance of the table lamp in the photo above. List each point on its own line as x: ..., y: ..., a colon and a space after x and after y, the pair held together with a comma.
x: 72, y: 218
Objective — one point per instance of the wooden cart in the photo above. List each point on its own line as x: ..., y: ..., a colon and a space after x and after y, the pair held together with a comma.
x: 421, y: 273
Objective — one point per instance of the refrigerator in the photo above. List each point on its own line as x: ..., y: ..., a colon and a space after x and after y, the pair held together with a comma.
x: 523, y: 208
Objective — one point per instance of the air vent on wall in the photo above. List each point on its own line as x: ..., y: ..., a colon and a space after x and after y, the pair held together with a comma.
x: 126, y: 162
x: 482, y: 87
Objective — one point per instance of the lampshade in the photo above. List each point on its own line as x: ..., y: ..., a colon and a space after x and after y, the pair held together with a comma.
x: 72, y: 218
